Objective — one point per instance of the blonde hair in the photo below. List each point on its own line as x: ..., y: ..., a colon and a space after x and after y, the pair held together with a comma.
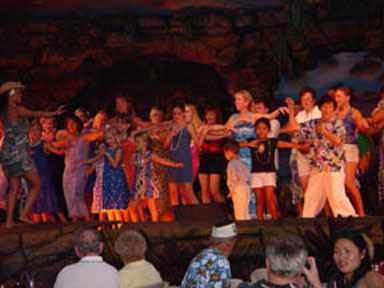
x: 131, y: 245
x: 196, y: 120
x: 247, y: 96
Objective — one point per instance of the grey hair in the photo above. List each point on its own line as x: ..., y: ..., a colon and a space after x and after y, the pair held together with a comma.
x: 286, y: 255
x: 87, y: 241
x: 130, y: 245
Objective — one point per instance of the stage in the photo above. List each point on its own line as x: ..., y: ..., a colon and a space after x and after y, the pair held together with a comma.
x: 40, y: 251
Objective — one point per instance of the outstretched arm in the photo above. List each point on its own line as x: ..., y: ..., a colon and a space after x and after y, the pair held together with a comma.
x: 27, y: 113
x: 49, y: 148
x: 165, y: 162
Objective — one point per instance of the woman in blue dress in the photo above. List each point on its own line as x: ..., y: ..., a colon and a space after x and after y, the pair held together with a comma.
x: 180, y: 180
x: 46, y: 202
x: 242, y: 125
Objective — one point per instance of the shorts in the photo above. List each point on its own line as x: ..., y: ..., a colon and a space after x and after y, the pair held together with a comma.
x: 262, y: 179
x: 351, y: 152
x: 211, y: 163
x: 303, y: 165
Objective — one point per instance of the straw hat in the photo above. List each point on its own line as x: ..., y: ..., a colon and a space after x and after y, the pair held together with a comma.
x: 7, y: 86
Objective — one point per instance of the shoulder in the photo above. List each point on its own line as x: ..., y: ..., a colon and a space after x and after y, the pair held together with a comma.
x: 371, y: 280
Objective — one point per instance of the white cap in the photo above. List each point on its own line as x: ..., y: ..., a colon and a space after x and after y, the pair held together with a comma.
x: 226, y: 231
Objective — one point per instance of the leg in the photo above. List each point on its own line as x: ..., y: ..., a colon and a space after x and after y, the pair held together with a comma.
x: 214, y: 188
x: 34, y: 187
x: 240, y: 201
x: 174, y: 193
x: 271, y: 200
x: 62, y: 217
x: 188, y: 194
x: 36, y: 217
x: 118, y: 218
x: 204, y: 182
x: 315, y: 196
x: 259, y: 202
x: 353, y: 192
x: 141, y: 210
x: 153, y: 210
x: 132, y: 205
x: 44, y: 217
x: 304, y: 182
x: 125, y: 215
x: 337, y: 197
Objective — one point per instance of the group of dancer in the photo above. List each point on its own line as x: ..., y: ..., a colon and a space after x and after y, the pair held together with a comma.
x: 127, y: 164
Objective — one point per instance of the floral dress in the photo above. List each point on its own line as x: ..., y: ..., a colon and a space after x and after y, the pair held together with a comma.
x: 115, y: 187
x: 146, y: 185
x: 380, y: 190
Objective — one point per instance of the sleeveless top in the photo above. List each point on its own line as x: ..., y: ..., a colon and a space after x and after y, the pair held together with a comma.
x: 350, y: 127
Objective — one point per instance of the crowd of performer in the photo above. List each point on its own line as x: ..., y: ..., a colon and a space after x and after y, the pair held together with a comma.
x: 118, y: 166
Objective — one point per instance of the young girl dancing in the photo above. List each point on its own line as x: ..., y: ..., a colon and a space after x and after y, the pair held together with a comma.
x: 46, y: 202
x: 263, y: 177
x: 115, y: 187
x: 146, y: 185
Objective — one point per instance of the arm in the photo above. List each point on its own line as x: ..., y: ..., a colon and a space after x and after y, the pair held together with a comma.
x: 378, y: 116
x: 151, y: 127
x: 165, y: 162
x: 26, y: 113
x: 63, y: 143
x: 359, y: 120
x: 293, y: 125
x: 312, y: 273
x: 90, y: 160
x: 335, y: 139
x: 93, y: 136
x: 168, y: 139
x: 275, y: 113
x: 290, y: 145
x: 192, y: 131
x: 49, y: 148
x: 115, y: 161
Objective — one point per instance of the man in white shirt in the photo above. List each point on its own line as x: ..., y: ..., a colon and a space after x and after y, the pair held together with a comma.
x: 91, y: 270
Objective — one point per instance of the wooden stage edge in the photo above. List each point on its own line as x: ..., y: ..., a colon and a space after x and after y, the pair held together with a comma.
x: 43, y: 249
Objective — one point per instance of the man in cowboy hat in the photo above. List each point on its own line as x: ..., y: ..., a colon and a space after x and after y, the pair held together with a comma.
x: 211, y: 268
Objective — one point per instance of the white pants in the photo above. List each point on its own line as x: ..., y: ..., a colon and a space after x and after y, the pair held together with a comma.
x: 240, y: 198
x: 327, y: 186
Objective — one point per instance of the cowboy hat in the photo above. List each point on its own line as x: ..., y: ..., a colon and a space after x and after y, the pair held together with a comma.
x: 7, y: 86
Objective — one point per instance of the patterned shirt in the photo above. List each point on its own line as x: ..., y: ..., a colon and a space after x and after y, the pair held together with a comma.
x: 324, y: 156
x: 208, y: 269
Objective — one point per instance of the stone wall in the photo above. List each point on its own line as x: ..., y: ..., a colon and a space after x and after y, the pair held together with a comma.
x: 54, y: 55
x: 42, y: 250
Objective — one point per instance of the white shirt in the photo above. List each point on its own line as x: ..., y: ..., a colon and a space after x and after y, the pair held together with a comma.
x: 139, y: 274
x: 90, y: 271
x: 303, y: 116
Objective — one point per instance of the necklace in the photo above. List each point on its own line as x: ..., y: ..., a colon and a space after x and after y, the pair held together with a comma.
x: 174, y: 148
x: 260, y: 149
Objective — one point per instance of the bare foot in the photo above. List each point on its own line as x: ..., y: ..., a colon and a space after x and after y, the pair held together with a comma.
x: 26, y: 220
x: 9, y: 224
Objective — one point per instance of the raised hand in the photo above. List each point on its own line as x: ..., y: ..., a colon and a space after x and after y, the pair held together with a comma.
x: 60, y: 110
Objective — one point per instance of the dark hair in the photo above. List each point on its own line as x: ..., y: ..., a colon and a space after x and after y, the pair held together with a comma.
x: 307, y: 89
x: 365, y: 265
x: 262, y: 100
x: 179, y: 105
x: 327, y: 99
x: 126, y: 119
x: 216, y: 110
x: 76, y: 119
x: 87, y: 241
x: 347, y: 91
x: 231, y: 145
x: 265, y: 121
x: 145, y: 136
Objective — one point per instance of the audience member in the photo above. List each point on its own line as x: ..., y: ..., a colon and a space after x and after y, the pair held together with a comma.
x: 137, y: 272
x: 91, y: 270
x: 285, y: 258
x: 211, y: 268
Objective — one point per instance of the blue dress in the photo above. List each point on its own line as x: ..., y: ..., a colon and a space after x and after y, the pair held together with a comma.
x: 115, y: 186
x: 244, y: 132
x: 46, y: 202
x: 146, y: 185
x: 180, y: 151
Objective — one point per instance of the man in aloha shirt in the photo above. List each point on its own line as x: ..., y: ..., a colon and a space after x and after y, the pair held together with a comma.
x: 326, y: 180
x: 211, y: 268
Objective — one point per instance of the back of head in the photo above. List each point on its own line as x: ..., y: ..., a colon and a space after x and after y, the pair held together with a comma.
x: 286, y: 255
x: 131, y: 246
x: 87, y: 241
x: 223, y: 231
